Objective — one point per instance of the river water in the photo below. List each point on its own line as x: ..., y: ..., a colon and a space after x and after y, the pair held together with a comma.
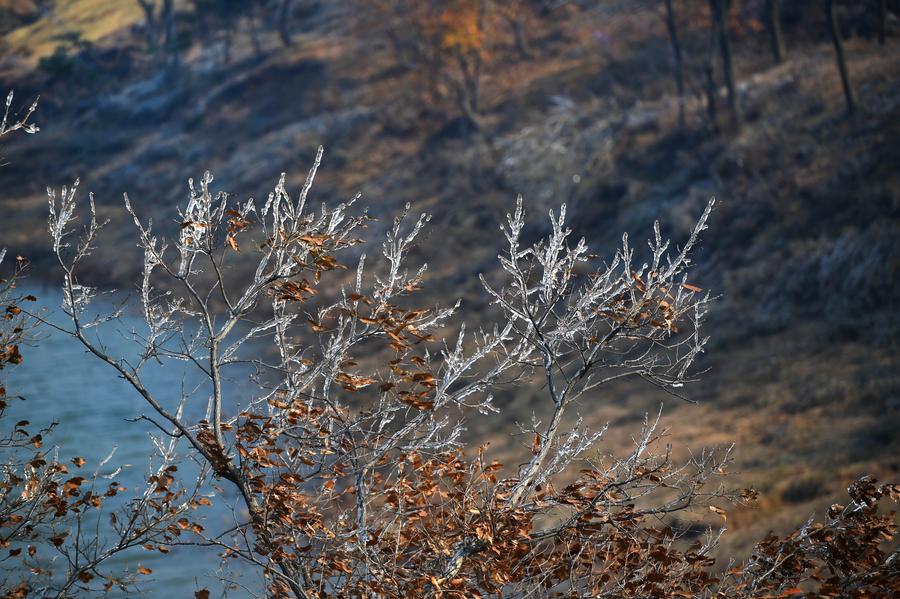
x: 63, y: 383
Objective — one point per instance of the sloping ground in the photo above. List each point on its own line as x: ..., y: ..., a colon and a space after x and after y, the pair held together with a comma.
x: 803, y: 248
x: 85, y: 20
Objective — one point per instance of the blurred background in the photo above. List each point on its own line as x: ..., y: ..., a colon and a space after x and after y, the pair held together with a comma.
x: 625, y: 110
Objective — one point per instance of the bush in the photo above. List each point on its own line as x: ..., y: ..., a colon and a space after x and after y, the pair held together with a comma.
x: 349, y: 461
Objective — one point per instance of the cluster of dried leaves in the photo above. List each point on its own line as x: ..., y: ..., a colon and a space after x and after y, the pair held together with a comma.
x: 349, y: 462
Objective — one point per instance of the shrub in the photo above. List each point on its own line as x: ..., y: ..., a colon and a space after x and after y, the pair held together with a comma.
x: 349, y: 462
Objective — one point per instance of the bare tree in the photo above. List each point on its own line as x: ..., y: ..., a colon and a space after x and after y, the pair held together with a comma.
x: 672, y: 28
x: 834, y: 29
x: 773, y: 21
x: 252, y: 17
x: 720, y: 10
x: 151, y: 28
x: 517, y: 13
x: 284, y: 22
x: 710, y: 86
x: 447, y: 44
x: 170, y: 42
x: 160, y: 31
x: 221, y: 21
x: 468, y: 50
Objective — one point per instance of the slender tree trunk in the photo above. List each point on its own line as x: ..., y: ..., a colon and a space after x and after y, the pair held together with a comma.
x: 520, y: 39
x: 709, y: 77
x: 835, y: 29
x: 720, y: 10
x: 170, y: 43
x: 227, y: 36
x: 254, y: 30
x: 467, y: 89
x: 151, y: 28
x: 711, y: 93
x: 882, y: 21
x: 672, y: 26
x: 284, y: 23
x: 773, y: 16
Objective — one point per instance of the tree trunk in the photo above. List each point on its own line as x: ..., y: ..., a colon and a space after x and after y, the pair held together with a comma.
x: 254, y: 30
x: 284, y: 23
x: 709, y: 78
x: 170, y: 43
x: 882, y: 21
x: 520, y: 39
x: 467, y: 89
x: 227, y: 36
x: 720, y: 10
x: 834, y: 28
x: 151, y: 29
x: 711, y: 93
x: 672, y: 26
x: 774, y: 21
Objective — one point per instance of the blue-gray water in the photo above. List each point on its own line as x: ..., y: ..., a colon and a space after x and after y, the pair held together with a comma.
x: 63, y: 383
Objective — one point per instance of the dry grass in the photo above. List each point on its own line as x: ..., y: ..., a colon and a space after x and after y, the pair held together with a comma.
x: 90, y: 20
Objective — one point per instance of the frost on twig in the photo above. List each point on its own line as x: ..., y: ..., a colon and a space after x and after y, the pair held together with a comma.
x: 586, y: 327
x: 47, y: 503
x: 363, y: 400
x: 21, y: 122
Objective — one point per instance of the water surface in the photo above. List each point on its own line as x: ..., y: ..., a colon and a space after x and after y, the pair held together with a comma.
x: 62, y: 382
